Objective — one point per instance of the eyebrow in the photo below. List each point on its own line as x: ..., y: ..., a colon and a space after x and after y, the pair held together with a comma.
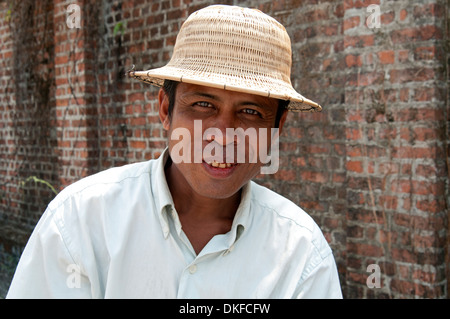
x: 206, y: 95
x: 217, y: 98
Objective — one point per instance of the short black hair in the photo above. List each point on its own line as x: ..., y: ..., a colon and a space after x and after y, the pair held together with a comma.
x: 170, y: 87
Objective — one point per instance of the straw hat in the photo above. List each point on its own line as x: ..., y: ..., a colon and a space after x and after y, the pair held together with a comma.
x: 232, y: 48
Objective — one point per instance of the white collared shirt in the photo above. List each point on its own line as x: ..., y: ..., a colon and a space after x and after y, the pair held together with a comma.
x: 116, y: 234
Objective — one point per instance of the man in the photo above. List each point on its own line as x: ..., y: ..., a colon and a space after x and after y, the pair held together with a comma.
x: 192, y: 224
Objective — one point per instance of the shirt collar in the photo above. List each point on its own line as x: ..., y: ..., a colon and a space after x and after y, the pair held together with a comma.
x: 164, y: 201
x: 242, y: 218
x: 160, y: 191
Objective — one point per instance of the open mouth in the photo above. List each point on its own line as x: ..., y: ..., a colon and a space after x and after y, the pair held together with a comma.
x: 220, y: 165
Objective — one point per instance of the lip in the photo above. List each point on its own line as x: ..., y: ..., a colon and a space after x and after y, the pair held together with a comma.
x: 218, y: 172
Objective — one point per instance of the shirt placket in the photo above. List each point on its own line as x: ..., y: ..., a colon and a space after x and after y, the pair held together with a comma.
x: 196, y: 273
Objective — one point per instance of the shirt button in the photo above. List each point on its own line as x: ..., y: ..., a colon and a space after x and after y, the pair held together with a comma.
x: 193, y: 269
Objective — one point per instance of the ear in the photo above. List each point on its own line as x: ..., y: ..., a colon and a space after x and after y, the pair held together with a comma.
x: 163, y: 100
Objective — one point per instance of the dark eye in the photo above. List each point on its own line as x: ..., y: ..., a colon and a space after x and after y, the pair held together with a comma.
x: 251, y: 112
x: 203, y: 104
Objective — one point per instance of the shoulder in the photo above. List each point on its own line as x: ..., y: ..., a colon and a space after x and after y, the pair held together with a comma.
x: 90, y: 213
x: 103, y: 183
x: 290, y: 218
x: 281, y: 207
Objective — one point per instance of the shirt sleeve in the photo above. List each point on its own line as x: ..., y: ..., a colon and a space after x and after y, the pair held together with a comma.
x: 322, y: 282
x: 46, y: 268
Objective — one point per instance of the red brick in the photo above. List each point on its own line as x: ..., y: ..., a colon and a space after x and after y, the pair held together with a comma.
x: 359, y: 41
x: 353, y: 134
x: 386, y: 57
x: 432, y: 206
x: 351, y: 22
x: 403, y: 14
x: 387, y: 18
x: 350, y: 4
x: 412, y: 75
x: 138, y: 144
x: 355, y: 166
x: 422, y: 33
x: 352, y: 60
x: 389, y: 202
x: 365, y: 249
x: 285, y: 175
x: 136, y: 97
x: 317, y: 177
x: 424, y: 276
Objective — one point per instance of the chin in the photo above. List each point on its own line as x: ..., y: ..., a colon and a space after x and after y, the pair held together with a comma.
x: 215, y: 191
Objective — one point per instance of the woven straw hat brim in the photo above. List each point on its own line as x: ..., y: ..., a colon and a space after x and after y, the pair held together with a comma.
x: 236, y: 49
x: 297, y: 102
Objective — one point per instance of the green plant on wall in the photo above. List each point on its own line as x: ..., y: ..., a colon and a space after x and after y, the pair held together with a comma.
x: 41, y: 181
x: 9, y: 13
x: 119, y: 27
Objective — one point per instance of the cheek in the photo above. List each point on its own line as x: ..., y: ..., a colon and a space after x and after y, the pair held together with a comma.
x: 258, y: 147
x: 186, y: 144
x: 180, y: 141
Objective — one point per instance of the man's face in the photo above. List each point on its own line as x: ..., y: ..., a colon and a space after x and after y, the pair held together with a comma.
x: 206, y: 156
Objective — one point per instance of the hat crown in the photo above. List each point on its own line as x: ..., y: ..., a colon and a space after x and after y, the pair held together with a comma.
x: 236, y: 49
x: 234, y: 42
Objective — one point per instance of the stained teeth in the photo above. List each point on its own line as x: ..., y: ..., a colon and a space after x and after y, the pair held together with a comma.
x: 220, y: 165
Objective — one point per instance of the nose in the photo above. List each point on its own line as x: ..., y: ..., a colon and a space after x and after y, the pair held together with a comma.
x: 216, y: 135
x: 222, y: 131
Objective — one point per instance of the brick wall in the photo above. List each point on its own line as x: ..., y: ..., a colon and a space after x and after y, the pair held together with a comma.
x: 372, y: 168
x: 396, y: 131
x: 27, y: 139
